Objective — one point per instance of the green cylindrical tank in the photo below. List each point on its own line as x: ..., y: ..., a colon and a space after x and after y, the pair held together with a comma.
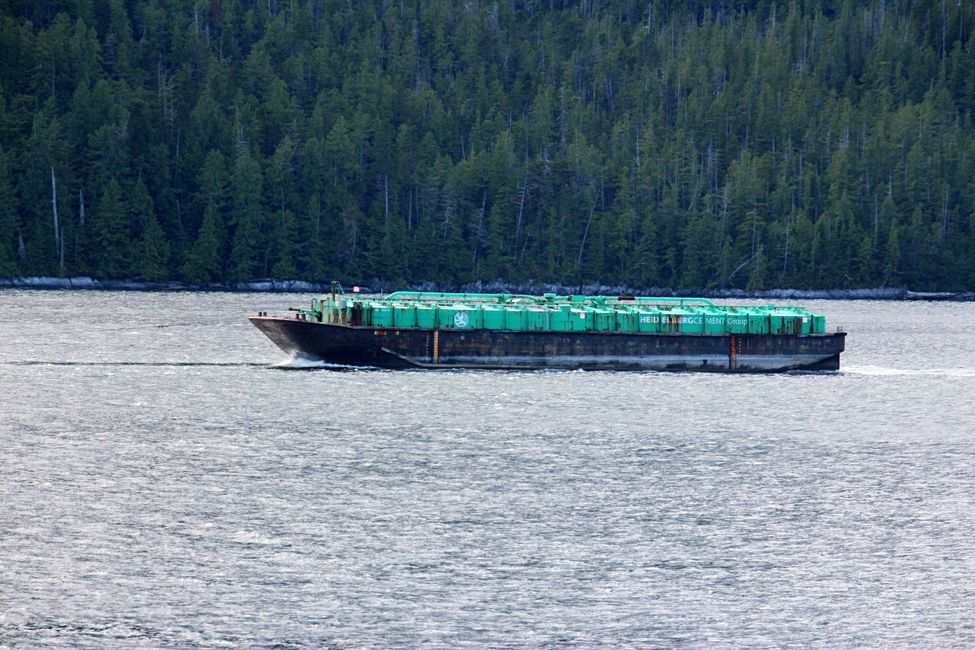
x: 819, y: 324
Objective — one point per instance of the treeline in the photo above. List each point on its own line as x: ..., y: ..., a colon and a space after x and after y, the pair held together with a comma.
x: 748, y: 144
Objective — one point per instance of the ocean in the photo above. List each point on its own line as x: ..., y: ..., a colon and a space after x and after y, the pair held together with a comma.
x: 168, y: 478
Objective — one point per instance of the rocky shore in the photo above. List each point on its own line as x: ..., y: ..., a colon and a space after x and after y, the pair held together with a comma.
x: 301, y: 286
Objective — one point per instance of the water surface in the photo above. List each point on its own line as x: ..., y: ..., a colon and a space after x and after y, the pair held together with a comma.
x: 165, y: 483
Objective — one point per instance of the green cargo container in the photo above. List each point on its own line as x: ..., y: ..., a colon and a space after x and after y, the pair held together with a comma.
x: 668, y: 322
x: 671, y: 321
x: 426, y: 316
x: 493, y: 317
x: 514, y: 318
x: 536, y: 318
x: 758, y: 321
x: 691, y: 320
x: 578, y: 319
x: 603, y: 320
x: 627, y: 320
x: 458, y: 316
x: 780, y: 324
x: 381, y: 314
x: 475, y: 318
x: 714, y: 320
x: 803, y: 321
x: 445, y: 316
x: 566, y: 313
x: 560, y: 319
x: 807, y: 322
x: 650, y: 319
x: 404, y: 315
x: 785, y: 321
x: 736, y: 322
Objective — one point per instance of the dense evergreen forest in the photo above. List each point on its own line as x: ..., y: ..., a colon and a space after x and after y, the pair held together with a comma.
x: 741, y: 143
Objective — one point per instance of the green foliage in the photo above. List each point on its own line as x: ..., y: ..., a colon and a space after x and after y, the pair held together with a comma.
x: 702, y: 145
x: 248, y: 254
x: 154, y: 251
x: 112, y: 255
x: 204, y: 260
x: 8, y: 220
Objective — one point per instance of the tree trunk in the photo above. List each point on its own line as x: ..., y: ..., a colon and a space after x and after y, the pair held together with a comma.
x: 585, y: 234
x: 58, y: 248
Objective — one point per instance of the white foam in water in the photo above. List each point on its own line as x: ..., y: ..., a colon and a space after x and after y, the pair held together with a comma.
x: 881, y: 371
x: 301, y: 362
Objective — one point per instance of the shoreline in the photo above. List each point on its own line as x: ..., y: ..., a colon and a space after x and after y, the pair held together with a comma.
x: 378, y: 286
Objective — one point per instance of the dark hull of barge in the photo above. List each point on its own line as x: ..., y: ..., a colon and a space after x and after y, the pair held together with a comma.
x: 402, y: 348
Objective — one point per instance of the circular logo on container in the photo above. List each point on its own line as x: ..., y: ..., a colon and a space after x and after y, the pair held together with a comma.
x: 461, y: 319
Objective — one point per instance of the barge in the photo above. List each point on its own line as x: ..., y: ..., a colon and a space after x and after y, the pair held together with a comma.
x: 410, y: 329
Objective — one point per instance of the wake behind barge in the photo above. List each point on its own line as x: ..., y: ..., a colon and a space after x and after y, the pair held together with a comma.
x: 410, y: 329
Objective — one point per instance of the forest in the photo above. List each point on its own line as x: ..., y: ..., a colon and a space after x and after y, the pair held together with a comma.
x: 654, y: 143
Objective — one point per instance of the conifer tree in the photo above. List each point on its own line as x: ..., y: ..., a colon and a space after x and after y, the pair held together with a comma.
x: 110, y: 229
x: 154, y: 251
x: 248, y: 253
x: 808, y: 144
x: 8, y: 220
x: 204, y: 262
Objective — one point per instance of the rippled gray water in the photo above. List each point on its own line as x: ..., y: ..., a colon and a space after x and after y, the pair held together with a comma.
x: 165, y: 484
